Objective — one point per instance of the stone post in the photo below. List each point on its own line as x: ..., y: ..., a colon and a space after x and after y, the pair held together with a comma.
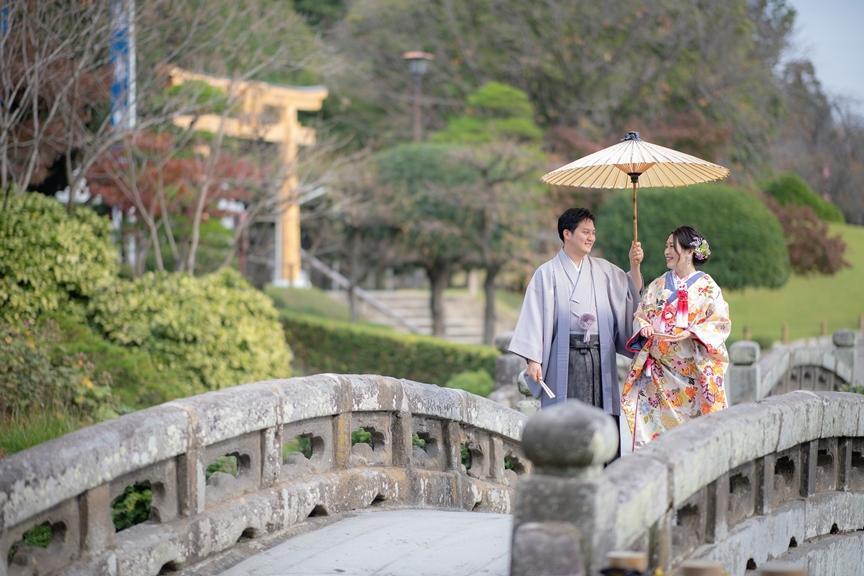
x: 844, y: 348
x: 567, y: 501
x: 743, y: 375
x: 96, y: 520
x: 507, y: 365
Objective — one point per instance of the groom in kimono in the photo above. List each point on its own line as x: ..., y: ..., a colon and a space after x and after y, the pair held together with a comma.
x: 578, y: 311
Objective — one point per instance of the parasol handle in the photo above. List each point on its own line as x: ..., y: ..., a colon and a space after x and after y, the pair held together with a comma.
x: 634, y: 177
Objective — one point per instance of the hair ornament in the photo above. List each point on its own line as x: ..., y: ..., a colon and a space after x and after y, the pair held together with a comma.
x: 701, y: 249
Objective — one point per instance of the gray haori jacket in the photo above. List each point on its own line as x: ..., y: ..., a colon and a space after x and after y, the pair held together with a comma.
x: 545, y: 315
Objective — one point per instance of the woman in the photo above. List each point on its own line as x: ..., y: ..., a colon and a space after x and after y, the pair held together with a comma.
x: 681, y: 325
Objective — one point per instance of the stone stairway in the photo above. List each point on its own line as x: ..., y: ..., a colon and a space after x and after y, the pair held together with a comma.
x: 463, y: 313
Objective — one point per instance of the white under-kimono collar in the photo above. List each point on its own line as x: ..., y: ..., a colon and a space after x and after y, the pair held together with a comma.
x: 679, y: 280
x: 571, y: 268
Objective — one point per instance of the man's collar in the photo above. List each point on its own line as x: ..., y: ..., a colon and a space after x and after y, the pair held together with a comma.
x: 570, y: 267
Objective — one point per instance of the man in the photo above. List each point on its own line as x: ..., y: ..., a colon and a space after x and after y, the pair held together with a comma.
x: 578, y: 311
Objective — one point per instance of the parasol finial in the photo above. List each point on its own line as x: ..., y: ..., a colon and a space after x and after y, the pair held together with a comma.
x: 631, y: 136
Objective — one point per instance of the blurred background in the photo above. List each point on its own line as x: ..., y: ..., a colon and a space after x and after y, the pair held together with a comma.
x: 203, y: 193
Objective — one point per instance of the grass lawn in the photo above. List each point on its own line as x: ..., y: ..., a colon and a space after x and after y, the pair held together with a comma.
x: 311, y: 301
x: 805, y: 300
x: 20, y: 433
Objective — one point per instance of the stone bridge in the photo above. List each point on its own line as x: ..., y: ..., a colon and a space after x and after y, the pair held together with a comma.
x: 823, y: 364
x: 782, y: 479
x: 779, y: 478
x: 292, y: 457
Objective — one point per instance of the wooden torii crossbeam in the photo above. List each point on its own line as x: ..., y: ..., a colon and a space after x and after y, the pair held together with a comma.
x: 266, y: 112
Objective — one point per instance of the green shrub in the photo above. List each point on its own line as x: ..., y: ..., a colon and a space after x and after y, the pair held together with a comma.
x: 361, y: 436
x: 132, y: 506
x: 227, y: 464
x: 300, y: 444
x: 37, y: 537
x: 31, y: 381
x: 789, y: 189
x: 747, y: 244
x: 137, y: 379
x: 477, y: 382
x: 216, y: 328
x: 48, y: 256
x: 321, y: 345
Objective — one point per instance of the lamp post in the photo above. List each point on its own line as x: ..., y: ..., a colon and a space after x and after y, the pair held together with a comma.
x: 418, y: 64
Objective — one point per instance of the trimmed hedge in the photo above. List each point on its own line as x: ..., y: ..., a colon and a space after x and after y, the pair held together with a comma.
x: 747, y: 244
x: 321, y: 345
x: 789, y: 189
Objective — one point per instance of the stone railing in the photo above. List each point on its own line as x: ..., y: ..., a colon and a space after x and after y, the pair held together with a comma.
x: 783, y: 478
x: 820, y: 365
x: 422, y: 446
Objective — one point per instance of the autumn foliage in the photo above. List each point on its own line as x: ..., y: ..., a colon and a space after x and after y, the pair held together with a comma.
x: 811, y: 248
x: 149, y: 172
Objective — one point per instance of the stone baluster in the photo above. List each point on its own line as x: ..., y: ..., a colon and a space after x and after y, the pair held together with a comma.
x: 844, y: 348
x: 744, y: 374
x: 566, y: 506
x: 507, y: 365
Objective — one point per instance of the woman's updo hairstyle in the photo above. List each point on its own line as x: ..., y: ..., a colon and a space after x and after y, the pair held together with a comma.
x: 689, y: 237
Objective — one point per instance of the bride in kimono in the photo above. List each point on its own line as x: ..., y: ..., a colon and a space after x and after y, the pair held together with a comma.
x: 681, y: 327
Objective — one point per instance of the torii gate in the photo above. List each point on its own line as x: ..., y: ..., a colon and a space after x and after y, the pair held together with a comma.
x: 267, y: 112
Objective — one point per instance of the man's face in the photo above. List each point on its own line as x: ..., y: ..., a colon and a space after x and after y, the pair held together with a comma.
x: 583, y: 237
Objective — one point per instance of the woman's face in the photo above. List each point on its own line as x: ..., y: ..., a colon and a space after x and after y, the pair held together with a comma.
x: 675, y: 253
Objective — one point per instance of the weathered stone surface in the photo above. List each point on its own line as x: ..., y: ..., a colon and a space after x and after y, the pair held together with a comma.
x: 487, y: 415
x: 546, y: 549
x: 835, y: 511
x: 841, y: 415
x: 508, y: 395
x: 96, y: 519
x: 310, y: 397
x: 570, y: 435
x: 502, y: 341
x: 744, y: 352
x: 585, y: 500
x: 435, y: 401
x: 73, y: 480
x: 840, y: 554
x: 642, y: 485
x: 441, y: 543
x: 149, y: 550
x: 757, y: 539
x: 64, y: 520
x: 507, y: 367
x: 228, y: 413
x: 47, y: 474
x: 370, y: 393
x: 844, y: 338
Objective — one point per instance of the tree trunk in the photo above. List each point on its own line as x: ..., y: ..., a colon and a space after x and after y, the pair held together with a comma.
x: 489, y: 304
x: 439, y: 276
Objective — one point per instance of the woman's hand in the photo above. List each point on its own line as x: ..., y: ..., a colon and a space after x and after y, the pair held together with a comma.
x: 680, y: 337
x: 647, y: 331
x: 636, y: 254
